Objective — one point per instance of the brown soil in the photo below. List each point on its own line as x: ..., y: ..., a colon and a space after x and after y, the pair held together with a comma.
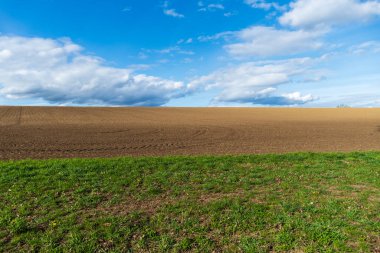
x: 53, y: 132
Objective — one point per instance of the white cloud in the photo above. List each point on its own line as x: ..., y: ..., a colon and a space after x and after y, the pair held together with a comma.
x: 216, y: 6
x: 173, y: 13
x: 223, y: 35
x: 297, y: 98
x: 262, y: 4
x: 170, y: 50
x: 365, y: 47
x: 230, y: 14
x: 210, y: 7
x: 313, y: 13
x: 257, y: 82
x: 136, y: 67
x: 185, y: 41
x: 268, y: 41
x: 57, y: 71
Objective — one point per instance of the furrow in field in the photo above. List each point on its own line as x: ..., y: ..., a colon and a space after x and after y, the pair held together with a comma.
x: 46, y: 132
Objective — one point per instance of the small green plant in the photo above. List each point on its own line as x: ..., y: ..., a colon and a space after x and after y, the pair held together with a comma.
x: 18, y: 225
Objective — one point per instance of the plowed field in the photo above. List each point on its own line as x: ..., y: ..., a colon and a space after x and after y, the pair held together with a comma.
x: 54, y: 132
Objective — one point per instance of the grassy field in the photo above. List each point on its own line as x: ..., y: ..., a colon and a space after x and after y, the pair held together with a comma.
x: 259, y: 203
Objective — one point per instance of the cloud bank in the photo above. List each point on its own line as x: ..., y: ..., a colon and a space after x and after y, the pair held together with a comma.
x: 58, y: 72
x: 257, y: 82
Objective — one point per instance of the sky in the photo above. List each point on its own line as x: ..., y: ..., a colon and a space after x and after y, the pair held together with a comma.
x: 251, y: 53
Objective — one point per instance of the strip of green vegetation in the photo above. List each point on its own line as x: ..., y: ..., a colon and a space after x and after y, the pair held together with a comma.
x: 259, y: 203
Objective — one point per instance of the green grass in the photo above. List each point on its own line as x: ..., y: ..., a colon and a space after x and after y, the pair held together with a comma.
x: 259, y: 203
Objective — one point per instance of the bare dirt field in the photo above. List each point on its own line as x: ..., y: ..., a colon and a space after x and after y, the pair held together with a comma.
x: 54, y: 132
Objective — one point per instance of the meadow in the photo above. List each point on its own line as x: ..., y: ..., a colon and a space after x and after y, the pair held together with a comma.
x: 299, y: 202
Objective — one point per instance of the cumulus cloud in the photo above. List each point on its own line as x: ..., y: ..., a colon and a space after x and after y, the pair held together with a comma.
x: 257, y: 82
x: 266, y: 97
x: 268, y: 41
x: 262, y: 4
x: 313, y: 13
x: 58, y: 71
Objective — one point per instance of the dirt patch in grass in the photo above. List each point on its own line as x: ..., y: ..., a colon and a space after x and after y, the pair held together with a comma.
x: 211, y: 197
x: 355, y: 193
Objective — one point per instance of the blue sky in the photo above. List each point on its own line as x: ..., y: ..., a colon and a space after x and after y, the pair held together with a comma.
x: 307, y: 53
